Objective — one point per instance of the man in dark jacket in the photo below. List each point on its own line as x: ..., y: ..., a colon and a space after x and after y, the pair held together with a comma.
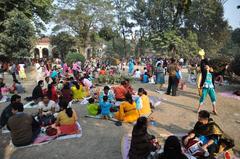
x: 7, y: 112
x: 172, y: 80
x: 22, y: 126
x: 37, y: 93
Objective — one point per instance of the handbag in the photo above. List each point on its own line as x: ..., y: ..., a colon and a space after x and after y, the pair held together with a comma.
x: 50, y: 131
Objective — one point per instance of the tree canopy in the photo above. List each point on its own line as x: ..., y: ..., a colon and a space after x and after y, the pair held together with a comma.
x: 19, y: 23
x: 127, y: 27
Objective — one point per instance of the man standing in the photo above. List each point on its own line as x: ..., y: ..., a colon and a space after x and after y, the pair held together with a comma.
x: 172, y: 80
x: 38, y: 69
x: 13, y: 71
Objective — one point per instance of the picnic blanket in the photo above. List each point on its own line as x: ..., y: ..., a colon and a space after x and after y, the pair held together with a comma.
x: 44, y: 139
x: 230, y: 95
x: 30, y: 105
x: 4, y: 99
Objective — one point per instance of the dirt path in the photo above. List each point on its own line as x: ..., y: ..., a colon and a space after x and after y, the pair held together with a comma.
x: 102, y: 139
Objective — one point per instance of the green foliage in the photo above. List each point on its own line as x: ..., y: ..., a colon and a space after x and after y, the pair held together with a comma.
x: 106, y: 33
x: 236, y: 36
x: 205, y: 18
x: 19, y: 21
x: 173, y: 43
x: 16, y: 40
x: 118, y: 47
x: 64, y: 43
x: 235, y: 65
x: 35, y: 10
x: 84, y: 18
x: 73, y: 57
x: 218, y: 63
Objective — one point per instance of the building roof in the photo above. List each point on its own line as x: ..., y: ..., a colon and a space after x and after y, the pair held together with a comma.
x: 45, y: 40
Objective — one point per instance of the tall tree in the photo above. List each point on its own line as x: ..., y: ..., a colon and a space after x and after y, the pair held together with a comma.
x: 122, y: 8
x: 19, y: 21
x: 205, y: 18
x: 85, y: 17
x: 17, y: 39
x: 63, y: 42
x: 236, y: 36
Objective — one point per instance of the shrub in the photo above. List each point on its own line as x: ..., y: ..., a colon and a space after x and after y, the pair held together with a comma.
x: 235, y: 65
x: 73, y: 57
x: 219, y: 63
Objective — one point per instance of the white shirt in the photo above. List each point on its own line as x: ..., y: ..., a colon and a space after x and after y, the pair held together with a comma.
x: 87, y: 83
x: 47, y: 108
x: 38, y: 67
x: 138, y: 74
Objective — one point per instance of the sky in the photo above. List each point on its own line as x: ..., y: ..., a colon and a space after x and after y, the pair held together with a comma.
x: 232, y: 14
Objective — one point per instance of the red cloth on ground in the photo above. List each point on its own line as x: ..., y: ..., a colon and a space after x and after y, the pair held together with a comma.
x: 69, y: 129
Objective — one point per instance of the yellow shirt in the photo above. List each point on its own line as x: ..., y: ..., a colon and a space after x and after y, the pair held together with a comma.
x: 127, y: 112
x: 77, y: 93
x: 63, y: 118
x: 146, y: 109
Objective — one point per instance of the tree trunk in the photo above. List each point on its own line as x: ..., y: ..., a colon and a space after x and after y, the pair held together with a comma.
x: 124, y: 43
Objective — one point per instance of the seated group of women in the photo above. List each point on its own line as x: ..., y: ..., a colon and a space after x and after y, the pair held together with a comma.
x: 63, y: 118
x: 206, y: 140
x: 128, y: 111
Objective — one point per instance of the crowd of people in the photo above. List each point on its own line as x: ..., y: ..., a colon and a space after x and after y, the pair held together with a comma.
x: 60, y: 84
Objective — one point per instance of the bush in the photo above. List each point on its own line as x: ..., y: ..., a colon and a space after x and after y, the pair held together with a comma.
x: 235, y: 65
x: 73, y: 57
x: 219, y: 63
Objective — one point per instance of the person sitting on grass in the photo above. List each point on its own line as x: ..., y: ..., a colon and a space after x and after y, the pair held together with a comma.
x: 92, y: 107
x: 144, y: 105
x: 77, y: 91
x: 142, y: 143
x: 210, y: 134
x: 127, y: 110
x: 120, y: 91
x: 172, y: 149
x: 67, y: 92
x: 145, y: 78
x: 7, y: 112
x: 107, y: 92
x: 22, y: 126
x: 17, y: 87
x: 66, y: 118
x: 105, y: 107
x: 52, y: 92
x: 47, y: 109
x: 37, y: 93
x: 129, y: 87
x: 137, y: 74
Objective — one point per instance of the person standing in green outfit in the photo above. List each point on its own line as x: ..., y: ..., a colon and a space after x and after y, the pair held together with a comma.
x: 92, y: 107
x: 160, y: 75
x: 208, y: 88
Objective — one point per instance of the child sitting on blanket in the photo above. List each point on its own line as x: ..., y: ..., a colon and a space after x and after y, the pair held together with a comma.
x: 92, y: 107
x: 105, y: 108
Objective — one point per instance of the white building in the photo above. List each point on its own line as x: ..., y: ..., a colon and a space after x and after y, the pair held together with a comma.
x: 43, y: 49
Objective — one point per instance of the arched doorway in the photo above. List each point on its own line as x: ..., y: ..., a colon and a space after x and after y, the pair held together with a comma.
x: 45, y: 53
x: 36, y: 53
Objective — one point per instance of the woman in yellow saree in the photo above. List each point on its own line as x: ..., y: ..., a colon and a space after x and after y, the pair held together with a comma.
x: 145, y: 109
x: 127, y: 110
